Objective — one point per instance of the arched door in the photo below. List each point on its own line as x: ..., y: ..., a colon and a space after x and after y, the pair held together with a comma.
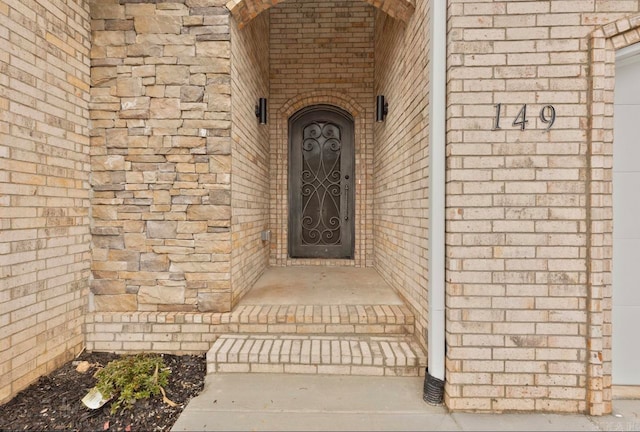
x: 321, y: 179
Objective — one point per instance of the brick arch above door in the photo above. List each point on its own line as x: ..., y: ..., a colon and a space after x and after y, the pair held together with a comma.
x: 246, y: 10
x: 362, y: 117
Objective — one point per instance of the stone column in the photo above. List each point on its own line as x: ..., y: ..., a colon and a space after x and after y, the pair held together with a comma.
x: 161, y: 156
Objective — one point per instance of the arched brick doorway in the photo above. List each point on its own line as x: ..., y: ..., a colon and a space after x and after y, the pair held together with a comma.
x: 246, y: 10
x: 301, y: 53
x: 279, y: 163
x: 605, y: 42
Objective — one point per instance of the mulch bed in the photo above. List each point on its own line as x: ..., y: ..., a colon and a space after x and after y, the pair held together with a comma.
x: 54, y: 401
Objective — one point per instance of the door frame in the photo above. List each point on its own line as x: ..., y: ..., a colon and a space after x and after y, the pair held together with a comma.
x: 347, y: 199
x: 604, y: 42
x: 624, y: 56
x: 363, y: 115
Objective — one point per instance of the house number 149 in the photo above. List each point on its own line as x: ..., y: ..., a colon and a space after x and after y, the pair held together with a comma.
x: 547, y: 116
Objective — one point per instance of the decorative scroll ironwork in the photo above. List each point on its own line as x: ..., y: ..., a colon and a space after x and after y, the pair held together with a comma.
x: 321, y: 152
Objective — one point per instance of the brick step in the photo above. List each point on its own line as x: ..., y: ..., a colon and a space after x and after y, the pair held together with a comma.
x: 320, y: 319
x: 317, y: 354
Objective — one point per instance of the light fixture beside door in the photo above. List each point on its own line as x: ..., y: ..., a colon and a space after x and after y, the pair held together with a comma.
x: 382, y: 108
x: 261, y: 110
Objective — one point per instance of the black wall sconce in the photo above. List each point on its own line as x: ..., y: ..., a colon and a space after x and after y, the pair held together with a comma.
x: 382, y: 108
x: 261, y: 110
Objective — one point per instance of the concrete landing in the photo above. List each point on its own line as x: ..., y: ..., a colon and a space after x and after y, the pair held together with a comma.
x: 315, y: 285
x: 275, y: 402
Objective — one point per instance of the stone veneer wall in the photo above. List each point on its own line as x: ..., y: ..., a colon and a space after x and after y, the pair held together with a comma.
x: 44, y: 190
x: 250, y: 154
x: 401, y: 159
x: 161, y: 155
x: 321, y: 52
x: 519, y: 292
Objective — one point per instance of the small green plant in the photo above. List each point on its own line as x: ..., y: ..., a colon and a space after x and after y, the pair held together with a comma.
x: 131, y: 378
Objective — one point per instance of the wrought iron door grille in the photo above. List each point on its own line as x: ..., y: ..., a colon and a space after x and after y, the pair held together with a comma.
x: 321, y: 152
x: 321, y: 196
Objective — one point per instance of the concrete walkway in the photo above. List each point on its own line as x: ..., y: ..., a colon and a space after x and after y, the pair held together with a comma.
x: 285, y: 402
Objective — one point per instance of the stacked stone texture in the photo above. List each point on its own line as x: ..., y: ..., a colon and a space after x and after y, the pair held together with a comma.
x: 161, y: 156
x: 44, y: 191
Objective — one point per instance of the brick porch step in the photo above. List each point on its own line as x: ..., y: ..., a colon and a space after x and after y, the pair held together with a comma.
x: 320, y: 319
x: 317, y: 354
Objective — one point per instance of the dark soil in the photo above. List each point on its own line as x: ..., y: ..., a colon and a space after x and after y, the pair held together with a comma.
x: 54, y: 401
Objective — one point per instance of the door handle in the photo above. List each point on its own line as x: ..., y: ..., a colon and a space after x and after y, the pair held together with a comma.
x: 346, y: 198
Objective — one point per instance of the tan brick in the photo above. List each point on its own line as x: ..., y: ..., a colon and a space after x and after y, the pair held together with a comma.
x: 267, y: 368
x: 53, y: 157
x: 301, y: 369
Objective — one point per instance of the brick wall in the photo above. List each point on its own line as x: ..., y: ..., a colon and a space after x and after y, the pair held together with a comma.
x: 161, y: 156
x: 44, y: 193
x: 250, y: 163
x: 519, y: 295
x: 321, y: 52
x: 400, y: 163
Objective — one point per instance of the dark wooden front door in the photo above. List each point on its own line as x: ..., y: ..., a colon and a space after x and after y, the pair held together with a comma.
x: 321, y: 192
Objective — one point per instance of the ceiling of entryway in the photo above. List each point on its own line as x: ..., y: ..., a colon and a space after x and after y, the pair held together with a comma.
x: 245, y: 10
